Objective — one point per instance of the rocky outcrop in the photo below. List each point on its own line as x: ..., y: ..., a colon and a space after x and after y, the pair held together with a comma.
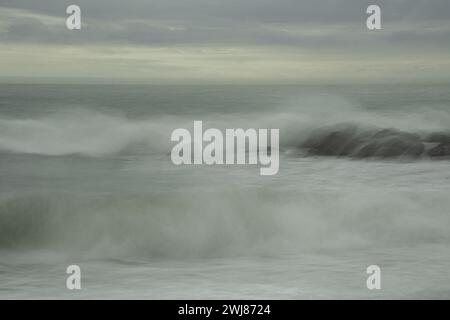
x: 350, y: 141
x: 441, y: 150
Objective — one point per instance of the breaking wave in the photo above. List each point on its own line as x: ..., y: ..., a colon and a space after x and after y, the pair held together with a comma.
x: 266, y: 219
x: 220, y: 224
x: 338, y: 130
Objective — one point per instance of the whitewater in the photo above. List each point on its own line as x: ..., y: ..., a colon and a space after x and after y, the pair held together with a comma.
x: 86, y: 178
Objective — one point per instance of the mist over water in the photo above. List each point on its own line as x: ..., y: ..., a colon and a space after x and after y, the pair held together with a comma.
x: 86, y: 178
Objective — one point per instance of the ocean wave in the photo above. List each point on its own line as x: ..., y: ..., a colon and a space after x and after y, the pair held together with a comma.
x: 335, y: 130
x: 83, y: 132
x: 221, y: 223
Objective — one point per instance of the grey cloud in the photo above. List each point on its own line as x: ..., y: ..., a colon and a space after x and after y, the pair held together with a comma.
x: 288, y: 11
x: 305, y: 24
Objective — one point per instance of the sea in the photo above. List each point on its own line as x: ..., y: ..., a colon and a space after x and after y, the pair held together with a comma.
x: 86, y: 179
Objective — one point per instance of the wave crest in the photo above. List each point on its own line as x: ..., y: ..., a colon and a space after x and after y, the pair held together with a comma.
x: 220, y: 223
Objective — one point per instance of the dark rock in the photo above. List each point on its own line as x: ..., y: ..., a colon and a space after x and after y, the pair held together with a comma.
x: 438, y: 137
x: 336, y: 142
x: 441, y: 150
x: 398, y: 146
x: 350, y: 141
x: 366, y: 150
x: 385, y: 133
x: 389, y: 144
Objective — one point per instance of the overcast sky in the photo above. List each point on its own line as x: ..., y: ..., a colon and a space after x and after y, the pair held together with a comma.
x: 230, y: 40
